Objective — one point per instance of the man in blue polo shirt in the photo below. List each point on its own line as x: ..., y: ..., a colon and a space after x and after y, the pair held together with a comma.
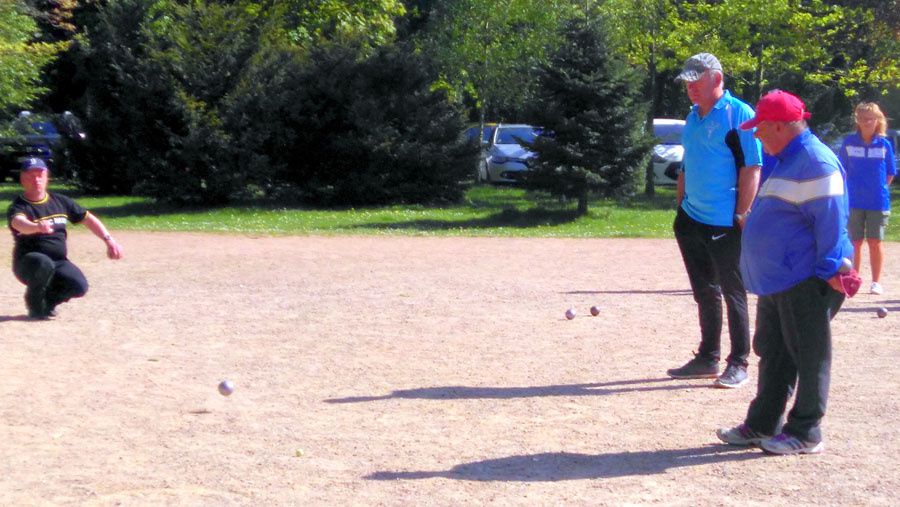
x: 715, y: 191
x: 796, y: 258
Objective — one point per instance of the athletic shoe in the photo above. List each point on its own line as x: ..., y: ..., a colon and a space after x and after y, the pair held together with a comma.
x: 37, y: 308
x: 733, y: 376
x: 876, y: 288
x: 785, y: 443
x: 698, y: 367
x: 741, y: 435
x: 36, y: 299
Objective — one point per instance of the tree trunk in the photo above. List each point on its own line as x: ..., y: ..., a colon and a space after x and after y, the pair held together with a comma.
x: 583, y: 203
x: 649, y: 187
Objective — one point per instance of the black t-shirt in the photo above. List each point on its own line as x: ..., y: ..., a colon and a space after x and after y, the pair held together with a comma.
x: 59, y: 210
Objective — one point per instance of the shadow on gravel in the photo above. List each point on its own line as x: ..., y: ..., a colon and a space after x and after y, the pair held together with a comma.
x: 502, y: 393
x: 506, y: 218
x: 566, y: 466
x: 664, y: 292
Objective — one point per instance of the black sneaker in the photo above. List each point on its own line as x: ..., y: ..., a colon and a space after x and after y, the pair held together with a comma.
x: 733, y: 376
x: 698, y: 367
x: 36, y: 300
x: 36, y: 309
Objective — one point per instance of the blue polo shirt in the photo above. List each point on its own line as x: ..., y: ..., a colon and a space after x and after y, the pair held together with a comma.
x: 710, y: 171
x: 868, y: 166
x: 798, y: 228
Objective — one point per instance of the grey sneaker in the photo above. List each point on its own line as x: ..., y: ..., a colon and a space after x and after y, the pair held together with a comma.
x: 698, y: 367
x: 785, y: 443
x: 741, y: 435
x: 733, y: 376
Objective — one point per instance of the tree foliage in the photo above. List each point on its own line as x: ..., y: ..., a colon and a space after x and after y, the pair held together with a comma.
x: 589, y: 101
x: 487, y: 50
x: 211, y: 100
x: 343, y: 130
x: 21, y: 59
x: 201, y: 111
x: 308, y: 24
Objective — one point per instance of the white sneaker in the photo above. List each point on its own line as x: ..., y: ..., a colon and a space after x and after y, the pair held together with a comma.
x: 876, y: 288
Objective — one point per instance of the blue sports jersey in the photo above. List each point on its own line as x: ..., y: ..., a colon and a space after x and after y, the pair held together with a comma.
x: 868, y: 166
x: 798, y: 227
x: 710, y: 171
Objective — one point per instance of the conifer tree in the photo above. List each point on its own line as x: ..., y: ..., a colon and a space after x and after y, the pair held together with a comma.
x: 589, y: 104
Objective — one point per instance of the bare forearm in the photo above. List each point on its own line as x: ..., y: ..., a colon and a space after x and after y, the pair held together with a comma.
x: 748, y: 183
x: 25, y: 226
x: 96, y: 226
x: 113, y: 249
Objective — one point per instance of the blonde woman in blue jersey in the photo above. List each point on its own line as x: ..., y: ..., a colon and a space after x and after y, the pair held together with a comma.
x: 868, y: 158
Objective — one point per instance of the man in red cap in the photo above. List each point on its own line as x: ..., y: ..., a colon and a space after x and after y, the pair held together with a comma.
x: 38, y: 221
x: 795, y: 256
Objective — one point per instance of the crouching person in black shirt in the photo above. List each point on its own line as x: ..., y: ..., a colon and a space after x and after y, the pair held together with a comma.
x: 38, y: 221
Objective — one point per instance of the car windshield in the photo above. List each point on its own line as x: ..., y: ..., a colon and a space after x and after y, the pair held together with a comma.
x: 668, y: 133
x: 512, y: 135
x: 472, y: 133
x: 44, y: 128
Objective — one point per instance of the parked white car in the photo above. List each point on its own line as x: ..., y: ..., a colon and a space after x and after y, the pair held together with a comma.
x: 508, y: 160
x: 668, y: 153
x: 487, y: 135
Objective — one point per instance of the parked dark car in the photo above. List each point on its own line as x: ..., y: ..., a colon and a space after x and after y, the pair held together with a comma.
x: 46, y: 137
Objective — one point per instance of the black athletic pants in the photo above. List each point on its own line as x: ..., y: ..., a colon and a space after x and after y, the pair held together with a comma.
x: 62, y: 279
x: 711, y: 257
x: 793, y: 342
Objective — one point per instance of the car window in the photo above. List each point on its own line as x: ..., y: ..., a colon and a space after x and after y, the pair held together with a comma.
x: 488, y: 134
x: 668, y: 134
x: 44, y: 128
x: 472, y: 133
x: 513, y: 134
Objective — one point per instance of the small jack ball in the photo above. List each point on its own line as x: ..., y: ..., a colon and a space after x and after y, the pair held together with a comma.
x: 595, y: 311
x: 226, y: 387
x: 882, y: 312
x: 570, y: 314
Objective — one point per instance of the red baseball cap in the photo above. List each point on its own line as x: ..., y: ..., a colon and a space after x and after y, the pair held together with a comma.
x: 777, y: 105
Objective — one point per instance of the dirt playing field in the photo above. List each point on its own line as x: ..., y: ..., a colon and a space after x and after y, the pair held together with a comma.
x: 409, y: 371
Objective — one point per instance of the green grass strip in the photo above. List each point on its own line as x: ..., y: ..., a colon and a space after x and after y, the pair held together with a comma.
x: 485, y: 211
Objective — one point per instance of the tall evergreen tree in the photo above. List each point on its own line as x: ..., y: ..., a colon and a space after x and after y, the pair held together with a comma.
x: 589, y: 103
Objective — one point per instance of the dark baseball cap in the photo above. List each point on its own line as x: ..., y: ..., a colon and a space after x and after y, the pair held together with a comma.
x: 696, y: 65
x: 34, y: 163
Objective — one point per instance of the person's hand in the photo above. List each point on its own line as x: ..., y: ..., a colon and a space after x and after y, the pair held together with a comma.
x: 846, y: 283
x: 44, y: 227
x: 113, y: 249
x: 835, y: 283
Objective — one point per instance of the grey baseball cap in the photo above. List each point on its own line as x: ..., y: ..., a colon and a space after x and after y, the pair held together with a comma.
x: 696, y: 65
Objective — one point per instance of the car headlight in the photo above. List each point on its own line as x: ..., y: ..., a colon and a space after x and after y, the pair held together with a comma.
x: 496, y: 159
